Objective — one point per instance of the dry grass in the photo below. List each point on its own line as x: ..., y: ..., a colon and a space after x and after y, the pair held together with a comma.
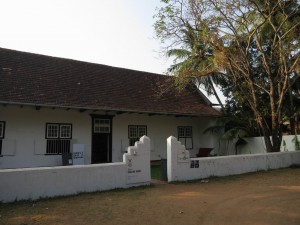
x: 259, y: 198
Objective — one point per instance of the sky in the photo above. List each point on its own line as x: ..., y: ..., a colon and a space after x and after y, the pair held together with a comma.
x: 118, y: 33
x: 113, y: 32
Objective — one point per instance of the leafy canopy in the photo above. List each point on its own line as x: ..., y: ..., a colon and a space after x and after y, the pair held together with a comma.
x: 253, y: 44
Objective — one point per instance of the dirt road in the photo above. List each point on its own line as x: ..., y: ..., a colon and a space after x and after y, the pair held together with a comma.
x: 264, y: 198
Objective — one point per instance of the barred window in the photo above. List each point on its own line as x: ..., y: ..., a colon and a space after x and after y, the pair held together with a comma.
x: 58, y: 137
x: 185, y: 136
x: 135, y: 132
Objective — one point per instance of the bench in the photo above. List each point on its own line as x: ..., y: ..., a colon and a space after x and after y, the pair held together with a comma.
x: 204, y: 152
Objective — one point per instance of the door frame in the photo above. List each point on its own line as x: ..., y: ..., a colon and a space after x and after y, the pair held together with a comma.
x: 96, y: 116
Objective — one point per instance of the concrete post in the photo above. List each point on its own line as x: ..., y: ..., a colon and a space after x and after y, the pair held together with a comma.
x: 177, y: 156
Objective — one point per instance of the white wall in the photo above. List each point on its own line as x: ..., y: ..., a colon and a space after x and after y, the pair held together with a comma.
x: 159, y: 128
x: 34, y: 183
x: 25, y: 135
x: 256, y: 145
x: 24, y: 144
x: 179, y: 163
x: 290, y: 145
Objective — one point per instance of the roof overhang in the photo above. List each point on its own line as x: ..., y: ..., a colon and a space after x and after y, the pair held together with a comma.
x: 107, y: 110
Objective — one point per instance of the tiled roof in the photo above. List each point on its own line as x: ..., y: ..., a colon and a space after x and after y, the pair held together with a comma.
x: 27, y: 78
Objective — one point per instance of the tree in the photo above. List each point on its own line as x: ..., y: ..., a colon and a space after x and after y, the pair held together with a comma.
x: 230, y: 128
x: 191, y: 60
x: 255, y: 46
x: 292, y: 108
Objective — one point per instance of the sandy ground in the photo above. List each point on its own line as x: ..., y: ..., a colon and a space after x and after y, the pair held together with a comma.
x: 265, y: 198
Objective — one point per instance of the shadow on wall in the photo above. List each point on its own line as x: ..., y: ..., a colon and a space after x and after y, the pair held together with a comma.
x: 256, y: 145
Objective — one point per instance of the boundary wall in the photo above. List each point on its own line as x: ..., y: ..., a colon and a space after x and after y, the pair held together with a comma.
x: 182, y: 168
x: 256, y: 145
x: 35, y: 183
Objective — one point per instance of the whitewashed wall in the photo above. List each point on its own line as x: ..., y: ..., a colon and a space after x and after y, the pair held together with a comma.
x: 24, y: 144
x: 255, y: 145
x: 181, y: 167
x: 159, y: 128
x: 35, y: 183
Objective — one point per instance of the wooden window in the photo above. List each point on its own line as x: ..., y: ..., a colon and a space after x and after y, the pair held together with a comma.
x: 135, y: 132
x: 2, y: 133
x: 58, y: 137
x: 101, y: 125
x: 185, y: 136
x: 65, y: 131
x: 52, y: 130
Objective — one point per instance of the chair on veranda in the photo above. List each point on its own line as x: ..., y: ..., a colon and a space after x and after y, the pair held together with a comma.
x: 204, y: 152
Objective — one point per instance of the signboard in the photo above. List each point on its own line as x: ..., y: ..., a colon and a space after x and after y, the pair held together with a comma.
x: 137, y: 161
x: 78, y: 154
x: 137, y: 169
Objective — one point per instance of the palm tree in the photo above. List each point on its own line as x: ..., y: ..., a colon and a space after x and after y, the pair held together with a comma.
x: 230, y: 128
x: 194, y: 58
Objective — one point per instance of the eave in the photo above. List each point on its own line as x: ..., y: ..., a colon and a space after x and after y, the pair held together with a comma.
x: 106, y: 110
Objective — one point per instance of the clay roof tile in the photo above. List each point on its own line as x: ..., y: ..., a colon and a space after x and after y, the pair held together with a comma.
x: 28, y: 78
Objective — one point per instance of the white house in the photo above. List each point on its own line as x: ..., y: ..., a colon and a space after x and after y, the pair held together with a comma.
x: 49, y: 104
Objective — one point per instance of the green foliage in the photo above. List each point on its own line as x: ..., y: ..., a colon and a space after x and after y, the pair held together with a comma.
x: 235, y: 132
x: 249, y: 48
x: 230, y: 128
x: 192, y: 53
x: 297, y: 143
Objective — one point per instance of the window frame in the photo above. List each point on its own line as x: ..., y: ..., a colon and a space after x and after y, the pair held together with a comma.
x: 59, y: 125
x: 2, y: 134
x: 137, y: 137
x: 58, y: 140
x: 47, y: 136
x: 105, y: 125
x: 185, y: 137
x: 60, y: 130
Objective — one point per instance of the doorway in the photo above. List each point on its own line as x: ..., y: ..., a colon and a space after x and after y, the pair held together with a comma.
x: 101, y: 139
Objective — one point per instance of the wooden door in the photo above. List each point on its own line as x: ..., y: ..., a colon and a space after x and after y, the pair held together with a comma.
x: 101, y: 139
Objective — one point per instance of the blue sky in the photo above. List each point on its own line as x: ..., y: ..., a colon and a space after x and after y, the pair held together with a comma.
x: 113, y: 32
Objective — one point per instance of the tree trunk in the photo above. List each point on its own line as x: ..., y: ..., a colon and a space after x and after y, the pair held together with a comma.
x: 297, y: 131
x: 276, y: 139
x: 293, y: 126
x: 215, y: 92
x: 276, y: 133
x: 291, y: 111
x: 268, y: 143
x: 276, y: 136
x: 266, y: 134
